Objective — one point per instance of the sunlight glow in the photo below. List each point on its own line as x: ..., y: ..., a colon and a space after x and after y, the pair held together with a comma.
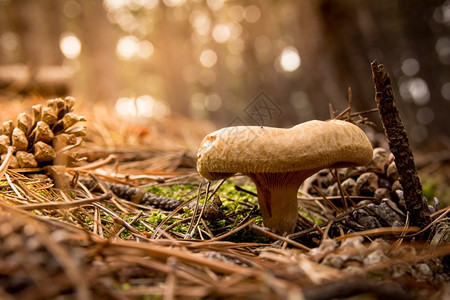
x: 127, y: 47
x: 213, y: 102
x: 221, y: 33
x: 215, y: 4
x: 410, y: 66
x: 145, y: 49
x: 445, y: 90
x: 236, y: 13
x: 208, y: 58
x: 415, y: 89
x: 289, y: 59
x: 252, y: 13
x: 201, y: 103
x: 142, y: 106
x: 200, y: 22
x: 70, y: 45
x: 442, y: 13
x: 425, y: 115
x: 174, y: 3
x: 114, y: 4
x: 130, y: 47
x: 443, y: 49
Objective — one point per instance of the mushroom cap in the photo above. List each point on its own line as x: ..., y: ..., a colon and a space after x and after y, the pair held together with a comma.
x: 308, y: 146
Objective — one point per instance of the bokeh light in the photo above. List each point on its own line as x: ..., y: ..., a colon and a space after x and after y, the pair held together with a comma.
x: 415, y: 89
x: 215, y: 4
x: 142, y: 106
x: 221, y: 33
x: 425, y: 115
x: 70, y: 45
x: 200, y: 22
x: 9, y: 41
x: 208, y: 58
x: 410, y: 66
x: 129, y: 47
x: 252, y: 13
x: 72, y: 9
x: 221, y: 50
x: 445, y: 90
x: 289, y: 59
x: 174, y: 3
x: 443, y: 49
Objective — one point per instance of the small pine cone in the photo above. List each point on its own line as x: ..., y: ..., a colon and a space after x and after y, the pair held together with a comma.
x: 5, y: 142
x: 43, y: 152
x: 24, y: 122
x: 19, y: 139
x: 26, y: 160
x: 49, y: 115
x: 43, y: 132
x: 8, y: 127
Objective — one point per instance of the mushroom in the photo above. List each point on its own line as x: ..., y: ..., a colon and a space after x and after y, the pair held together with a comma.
x: 279, y: 160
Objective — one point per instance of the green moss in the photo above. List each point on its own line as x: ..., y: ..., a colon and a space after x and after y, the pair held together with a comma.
x: 436, y: 186
x: 429, y: 187
x: 155, y: 190
x: 125, y: 235
x: 43, y: 194
x: 156, y: 217
x: 172, y: 191
x: 126, y: 286
x: 236, y: 205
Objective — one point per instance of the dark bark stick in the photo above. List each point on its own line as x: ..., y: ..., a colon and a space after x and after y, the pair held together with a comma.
x: 398, y: 143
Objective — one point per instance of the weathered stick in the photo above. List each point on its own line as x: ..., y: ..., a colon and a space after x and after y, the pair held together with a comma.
x: 398, y: 143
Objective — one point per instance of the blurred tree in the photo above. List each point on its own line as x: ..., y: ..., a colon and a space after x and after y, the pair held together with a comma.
x: 99, y: 63
x: 211, y: 59
x: 38, y: 25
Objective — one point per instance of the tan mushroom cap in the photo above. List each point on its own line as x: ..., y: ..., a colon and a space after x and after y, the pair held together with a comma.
x: 307, y: 146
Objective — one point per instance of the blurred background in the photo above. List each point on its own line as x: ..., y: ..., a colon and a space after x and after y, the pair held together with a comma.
x: 211, y: 59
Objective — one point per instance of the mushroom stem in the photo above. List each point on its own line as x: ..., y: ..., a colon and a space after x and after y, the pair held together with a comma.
x: 277, y: 197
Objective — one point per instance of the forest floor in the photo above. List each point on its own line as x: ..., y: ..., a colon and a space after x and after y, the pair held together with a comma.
x: 130, y: 218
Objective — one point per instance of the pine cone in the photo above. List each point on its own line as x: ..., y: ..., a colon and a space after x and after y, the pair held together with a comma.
x: 38, y: 138
x: 29, y: 262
